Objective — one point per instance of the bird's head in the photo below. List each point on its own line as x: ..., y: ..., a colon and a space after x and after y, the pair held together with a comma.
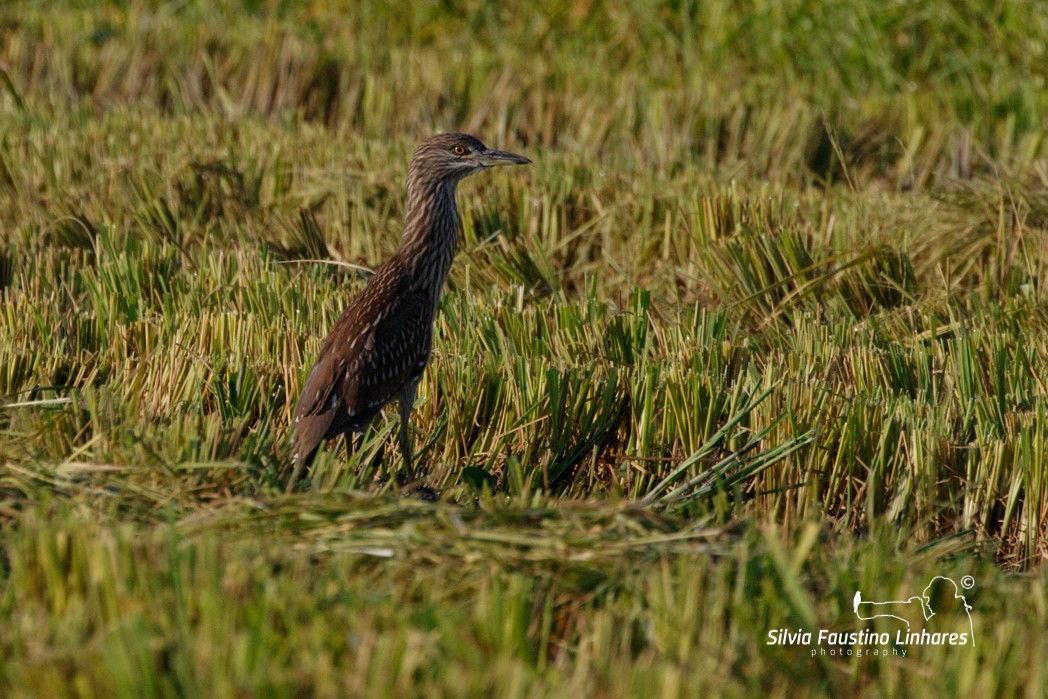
x: 449, y: 157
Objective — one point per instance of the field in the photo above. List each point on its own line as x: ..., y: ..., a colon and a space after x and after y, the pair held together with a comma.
x: 763, y: 325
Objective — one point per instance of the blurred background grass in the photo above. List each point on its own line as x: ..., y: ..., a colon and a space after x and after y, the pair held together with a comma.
x: 777, y: 274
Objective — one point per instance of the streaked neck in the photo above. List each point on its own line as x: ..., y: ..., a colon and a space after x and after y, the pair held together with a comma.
x: 430, y: 231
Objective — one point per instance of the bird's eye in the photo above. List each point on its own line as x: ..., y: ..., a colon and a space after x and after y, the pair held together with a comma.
x: 459, y: 150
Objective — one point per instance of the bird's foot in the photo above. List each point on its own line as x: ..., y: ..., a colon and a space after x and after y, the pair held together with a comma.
x: 408, y: 487
x: 419, y: 490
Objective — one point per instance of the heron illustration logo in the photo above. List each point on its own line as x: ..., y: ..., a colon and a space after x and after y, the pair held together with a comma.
x: 906, y: 610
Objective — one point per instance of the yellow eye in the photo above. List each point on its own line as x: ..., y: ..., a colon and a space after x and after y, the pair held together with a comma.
x: 458, y: 150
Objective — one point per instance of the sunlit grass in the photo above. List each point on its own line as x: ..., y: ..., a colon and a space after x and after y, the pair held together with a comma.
x: 763, y: 324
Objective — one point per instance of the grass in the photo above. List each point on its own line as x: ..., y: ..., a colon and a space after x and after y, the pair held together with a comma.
x: 763, y: 325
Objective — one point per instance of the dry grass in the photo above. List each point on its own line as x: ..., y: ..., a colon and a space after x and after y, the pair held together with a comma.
x: 764, y: 324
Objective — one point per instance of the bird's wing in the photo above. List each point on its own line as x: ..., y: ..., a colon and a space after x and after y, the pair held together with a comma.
x: 395, y: 349
x: 380, y: 343
x: 315, y: 411
x: 318, y: 389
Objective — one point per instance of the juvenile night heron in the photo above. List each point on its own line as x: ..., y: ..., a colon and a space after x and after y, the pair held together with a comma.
x: 378, y: 349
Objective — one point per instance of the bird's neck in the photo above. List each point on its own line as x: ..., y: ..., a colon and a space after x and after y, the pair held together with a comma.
x: 430, y: 232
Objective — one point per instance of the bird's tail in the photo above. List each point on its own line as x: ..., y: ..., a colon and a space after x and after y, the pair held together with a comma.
x: 301, y: 459
x: 310, y: 432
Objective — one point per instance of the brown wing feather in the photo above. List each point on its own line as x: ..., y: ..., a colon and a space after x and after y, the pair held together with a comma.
x: 381, y: 342
x: 396, y: 349
x: 314, y: 412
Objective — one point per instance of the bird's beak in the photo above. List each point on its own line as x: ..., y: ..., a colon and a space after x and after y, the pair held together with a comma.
x: 491, y: 158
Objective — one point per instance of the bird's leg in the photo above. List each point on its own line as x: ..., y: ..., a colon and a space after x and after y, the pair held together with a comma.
x: 379, y: 459
x: 350, y: 447
x: 410, y: 485
x: 406, y: 400
x: 295, y: 473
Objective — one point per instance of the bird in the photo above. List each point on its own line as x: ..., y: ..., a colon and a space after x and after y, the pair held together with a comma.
x: 379, y: 348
